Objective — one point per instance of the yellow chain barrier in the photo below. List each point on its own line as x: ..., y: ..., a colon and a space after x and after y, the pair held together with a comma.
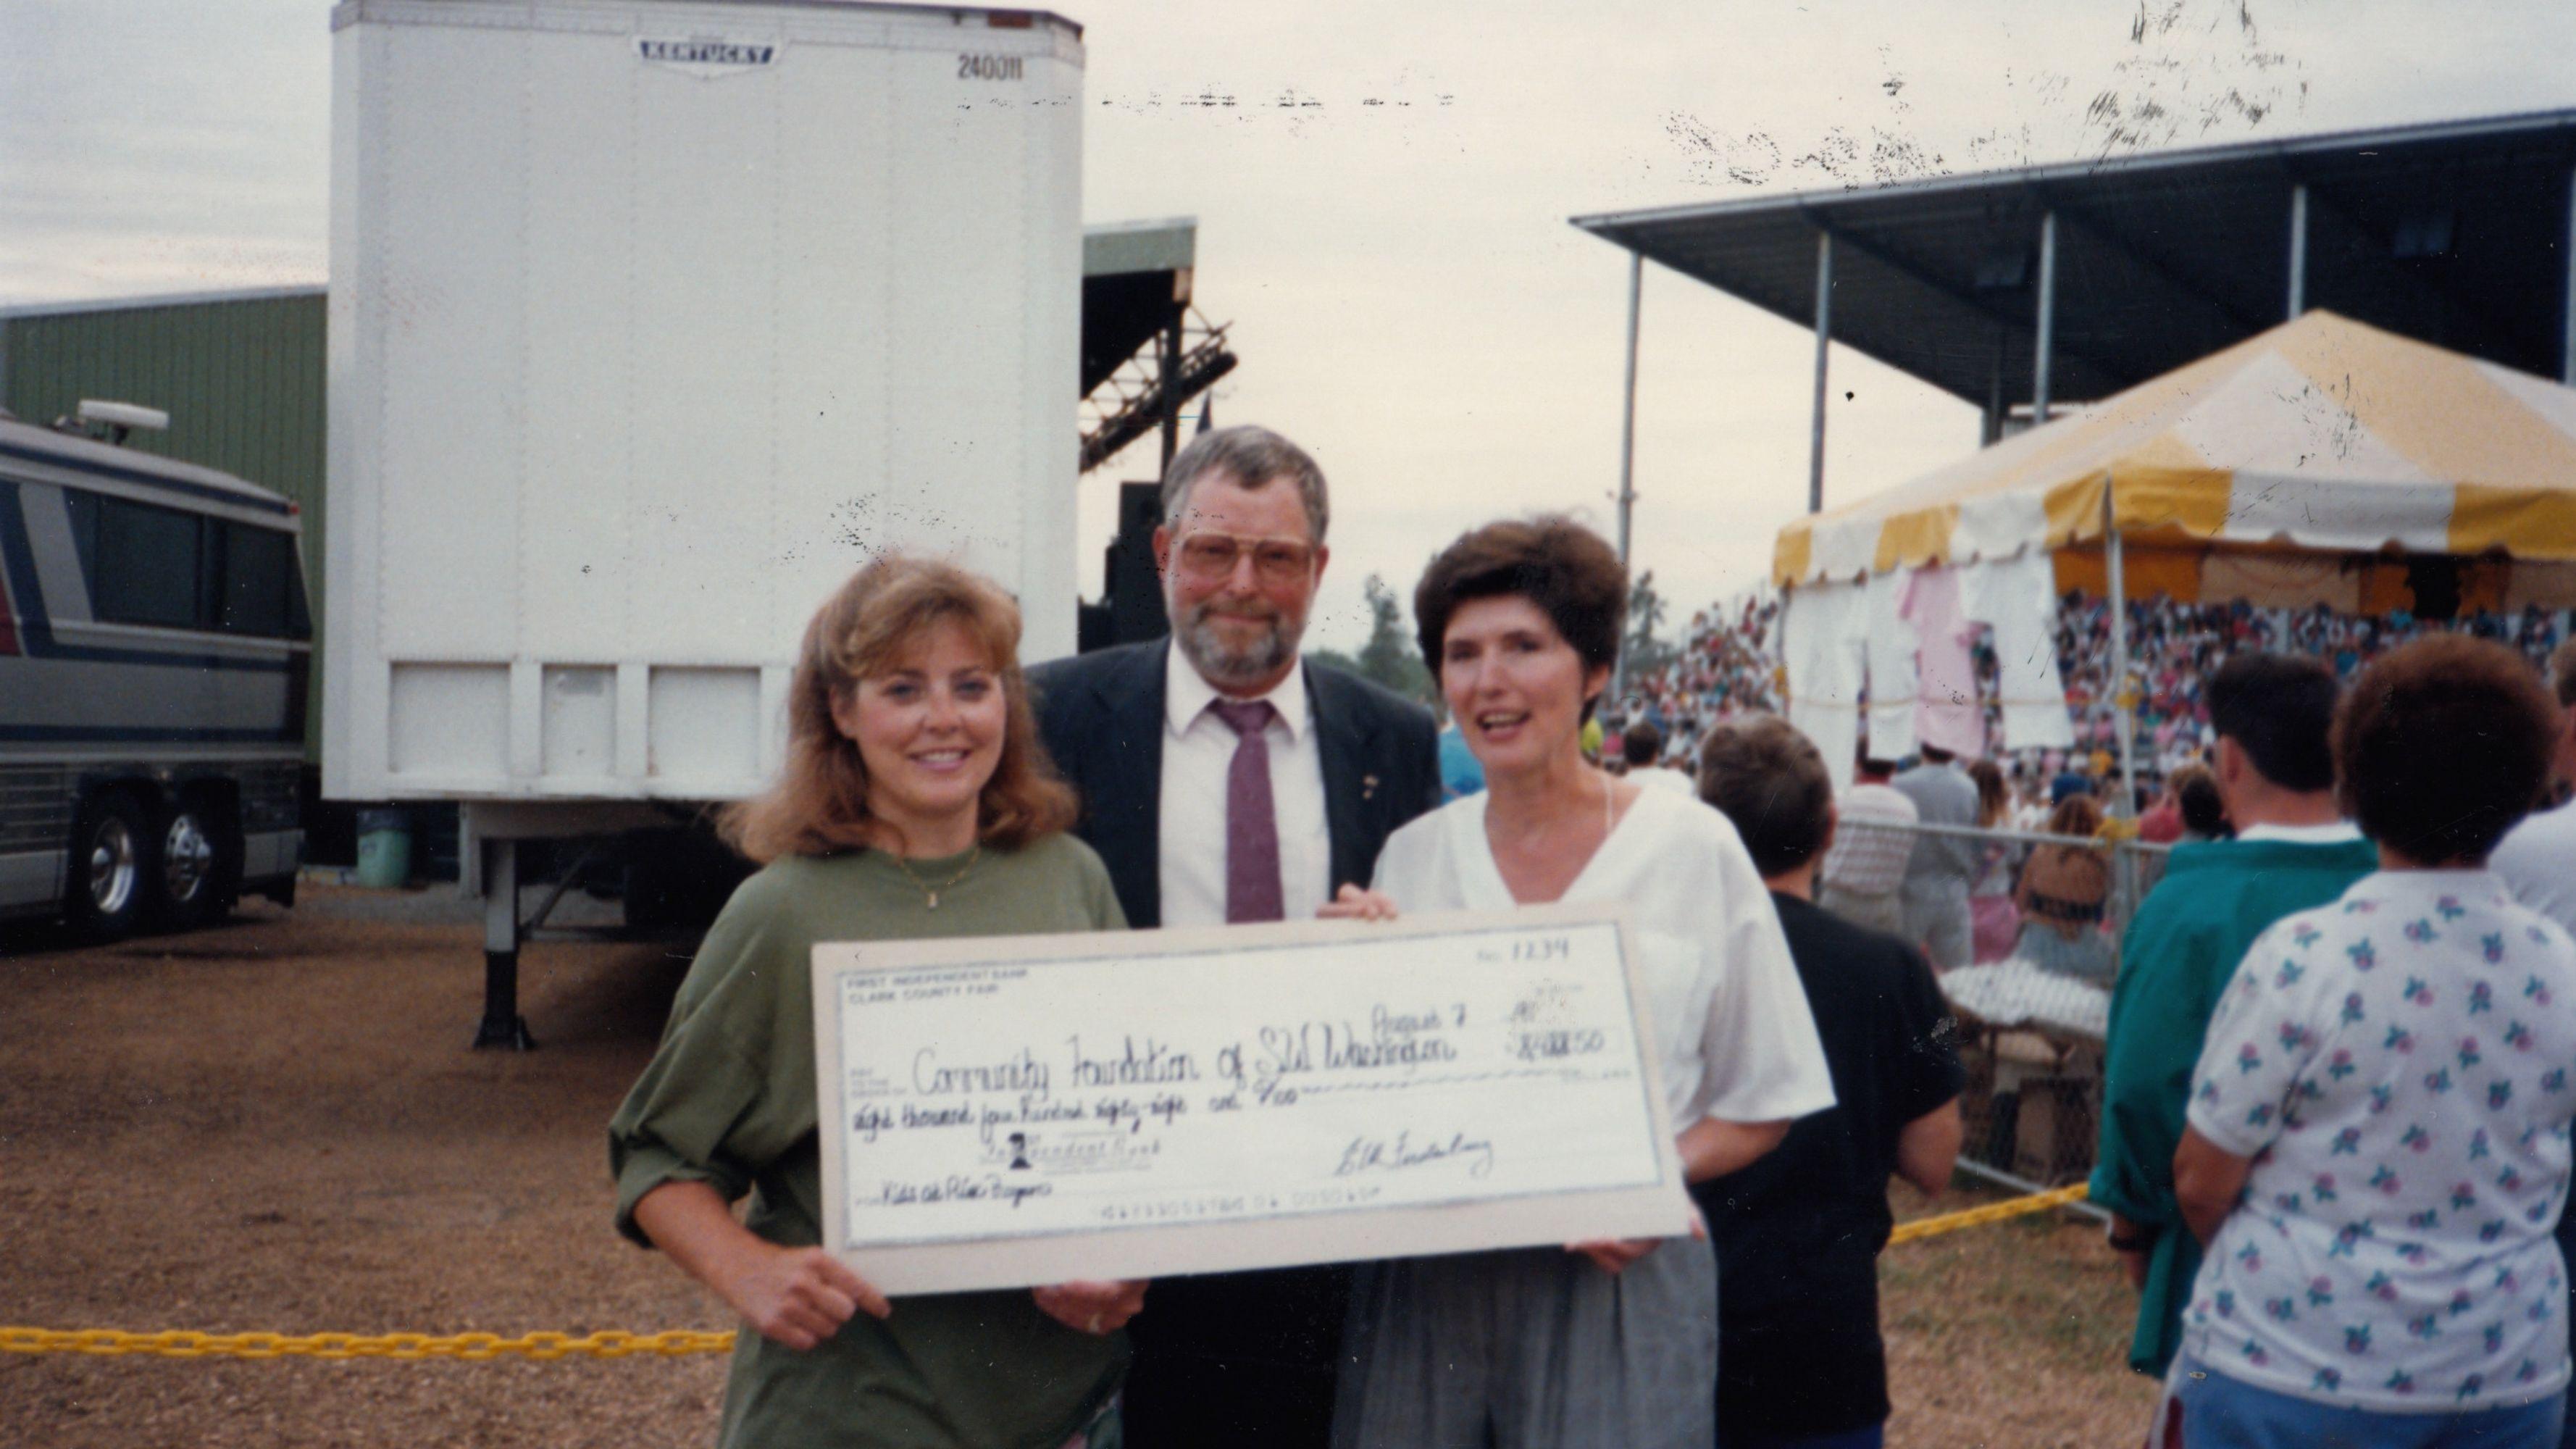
x: 2039, y: 1202
x: 672, y: 1343
x: 468, y: 1347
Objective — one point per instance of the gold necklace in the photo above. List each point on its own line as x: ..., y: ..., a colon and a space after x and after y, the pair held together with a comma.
x: 929, y: 892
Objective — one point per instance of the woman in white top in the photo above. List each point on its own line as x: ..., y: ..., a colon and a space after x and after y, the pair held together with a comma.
x: 1603, y: 1342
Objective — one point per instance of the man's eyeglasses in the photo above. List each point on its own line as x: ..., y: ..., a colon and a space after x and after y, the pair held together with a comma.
x: 1210, y: 556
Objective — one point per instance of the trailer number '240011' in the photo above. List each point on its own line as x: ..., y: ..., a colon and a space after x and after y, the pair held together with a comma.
x: 988, y: 67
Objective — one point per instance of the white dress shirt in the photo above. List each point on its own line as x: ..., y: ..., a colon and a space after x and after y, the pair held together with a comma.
x: 1198, y: 751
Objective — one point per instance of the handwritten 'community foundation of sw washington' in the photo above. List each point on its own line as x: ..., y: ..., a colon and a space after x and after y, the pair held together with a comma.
x: 1012, y: 1111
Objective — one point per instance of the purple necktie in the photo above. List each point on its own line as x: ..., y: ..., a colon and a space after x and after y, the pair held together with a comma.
x: 1252, y: 891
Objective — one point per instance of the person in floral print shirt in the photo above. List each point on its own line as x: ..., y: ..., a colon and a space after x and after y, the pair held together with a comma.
x: 2378, y: 1144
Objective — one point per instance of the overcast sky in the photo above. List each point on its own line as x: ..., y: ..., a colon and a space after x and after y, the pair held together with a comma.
x: 1406, y: 296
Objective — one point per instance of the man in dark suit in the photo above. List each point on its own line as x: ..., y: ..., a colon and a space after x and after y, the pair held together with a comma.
x: 1224, y: 779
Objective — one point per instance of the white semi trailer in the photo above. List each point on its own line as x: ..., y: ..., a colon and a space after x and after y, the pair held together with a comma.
x: 649, y: 322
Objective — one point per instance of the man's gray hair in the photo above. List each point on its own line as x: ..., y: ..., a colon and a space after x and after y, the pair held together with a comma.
x: 1251, y: 457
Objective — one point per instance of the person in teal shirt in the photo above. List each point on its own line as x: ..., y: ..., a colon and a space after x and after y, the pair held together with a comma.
x: 2293, y: 851
x: 1460, y: 774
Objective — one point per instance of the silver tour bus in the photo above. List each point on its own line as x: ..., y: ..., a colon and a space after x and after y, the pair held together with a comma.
x: 155, y: 646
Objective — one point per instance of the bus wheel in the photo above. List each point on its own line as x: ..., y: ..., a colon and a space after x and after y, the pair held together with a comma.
x: 114, y: 855
x: 200, y: 859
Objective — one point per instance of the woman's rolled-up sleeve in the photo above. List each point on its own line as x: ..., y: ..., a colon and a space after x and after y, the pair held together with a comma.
x: 712, y: 1107
x: 679, y: 1122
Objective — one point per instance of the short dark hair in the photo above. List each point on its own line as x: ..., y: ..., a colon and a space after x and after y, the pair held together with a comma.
x: 1770, y: 781
x: 2195, y: 791
x: 1935, y: 755
x: 2442, y: 745
x: 1252, y: 457
x: 2562, y: 672
x: 1642, y: 744
x: 1560, y: 566
x: 2278, y: 708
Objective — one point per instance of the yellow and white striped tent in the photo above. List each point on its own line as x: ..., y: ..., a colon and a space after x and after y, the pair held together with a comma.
x: 2321, y: 434
x: 2301, y: 466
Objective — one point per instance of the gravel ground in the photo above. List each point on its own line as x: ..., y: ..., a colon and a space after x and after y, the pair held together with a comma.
x: 276, y: 1125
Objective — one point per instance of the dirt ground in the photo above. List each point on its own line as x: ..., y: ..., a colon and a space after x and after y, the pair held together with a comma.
x: 276, y: 1125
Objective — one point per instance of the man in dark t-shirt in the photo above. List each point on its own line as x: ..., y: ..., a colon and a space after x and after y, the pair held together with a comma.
x: 1800, y: 1363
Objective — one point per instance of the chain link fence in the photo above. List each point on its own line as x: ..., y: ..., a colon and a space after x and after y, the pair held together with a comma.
x: 2034, y: 1013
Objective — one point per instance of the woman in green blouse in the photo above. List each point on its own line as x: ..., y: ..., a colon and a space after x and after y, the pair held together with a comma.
x: 915, y: 802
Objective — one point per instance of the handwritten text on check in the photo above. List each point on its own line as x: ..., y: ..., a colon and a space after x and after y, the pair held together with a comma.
x: 1246, y: 1079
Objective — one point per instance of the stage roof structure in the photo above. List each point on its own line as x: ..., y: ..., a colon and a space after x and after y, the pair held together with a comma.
x: 1145, y: 352
x: 2082, y: 279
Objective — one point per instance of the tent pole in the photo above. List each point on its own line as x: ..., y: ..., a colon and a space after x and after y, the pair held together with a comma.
x: 1628, y: 445
x: 2298, y: 250
x: 2047, y: 324
x: 2126, y: 803
x: 2123, y: 709
x: 1824, y: 332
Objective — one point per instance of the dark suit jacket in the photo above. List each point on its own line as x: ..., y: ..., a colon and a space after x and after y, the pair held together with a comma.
x: 1101, y: 717
x: 1244, y: 1360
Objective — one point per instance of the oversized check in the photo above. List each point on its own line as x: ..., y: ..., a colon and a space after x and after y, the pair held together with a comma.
x: 1011, y: 1111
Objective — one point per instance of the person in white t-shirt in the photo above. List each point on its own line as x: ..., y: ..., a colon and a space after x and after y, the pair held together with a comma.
x: 1610, y: 1342
x: 1643, y: 746
x: 2538, y: 859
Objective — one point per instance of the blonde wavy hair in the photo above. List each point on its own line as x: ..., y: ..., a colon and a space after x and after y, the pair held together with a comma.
x: 819, y: 804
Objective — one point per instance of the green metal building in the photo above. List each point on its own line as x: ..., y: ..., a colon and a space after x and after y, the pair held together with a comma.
x: 240, y: 374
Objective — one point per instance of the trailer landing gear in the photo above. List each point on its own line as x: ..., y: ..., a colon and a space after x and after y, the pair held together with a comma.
x: 502, y: 1026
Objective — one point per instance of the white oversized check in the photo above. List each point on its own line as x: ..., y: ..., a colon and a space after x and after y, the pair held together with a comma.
x: 1019, y: 1110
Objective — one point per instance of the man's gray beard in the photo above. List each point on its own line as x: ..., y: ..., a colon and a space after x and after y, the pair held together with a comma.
x: 1240, y: 668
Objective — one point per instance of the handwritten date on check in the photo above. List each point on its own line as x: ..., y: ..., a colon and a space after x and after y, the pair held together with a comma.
x: 1012, y: 1111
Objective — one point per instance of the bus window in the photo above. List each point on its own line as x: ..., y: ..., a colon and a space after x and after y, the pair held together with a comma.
x: 164, y: 566
x: 259, y: 573
x: 299, y: 614
x: 83, y: 509
x: 148, y: 565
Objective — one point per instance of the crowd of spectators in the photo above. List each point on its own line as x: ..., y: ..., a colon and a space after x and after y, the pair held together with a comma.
x: 2174, y: 648
x: 1728, y: 664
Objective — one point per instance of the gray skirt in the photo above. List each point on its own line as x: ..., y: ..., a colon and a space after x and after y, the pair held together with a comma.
x: 1531, y: 1347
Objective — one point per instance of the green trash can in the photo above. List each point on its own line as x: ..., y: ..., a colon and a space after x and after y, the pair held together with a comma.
x: 384, y: 848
